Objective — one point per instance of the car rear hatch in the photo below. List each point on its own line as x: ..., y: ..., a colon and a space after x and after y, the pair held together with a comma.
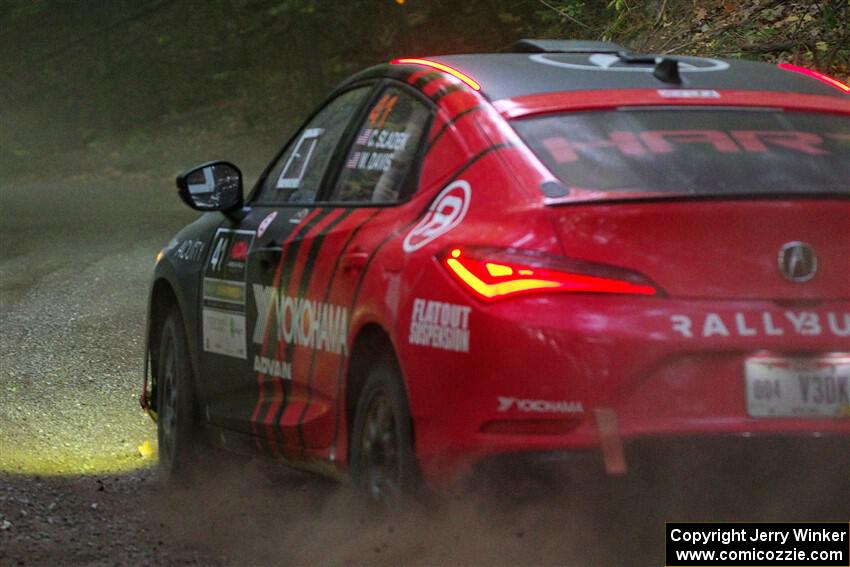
x: 738, y: 249
x: 732, y: 203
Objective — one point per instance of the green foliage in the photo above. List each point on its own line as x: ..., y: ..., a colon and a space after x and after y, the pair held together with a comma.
x: 252, y: 69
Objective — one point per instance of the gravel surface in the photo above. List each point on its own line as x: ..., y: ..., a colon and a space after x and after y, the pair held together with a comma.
x: 75, y: 258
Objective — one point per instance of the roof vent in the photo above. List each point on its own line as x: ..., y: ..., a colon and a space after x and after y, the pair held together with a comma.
x: 565, y: 46
x: 665, y: 69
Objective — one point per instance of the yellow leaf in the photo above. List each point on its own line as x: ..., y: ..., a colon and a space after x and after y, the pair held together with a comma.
x: 822, y: 46
x: 146, y: 450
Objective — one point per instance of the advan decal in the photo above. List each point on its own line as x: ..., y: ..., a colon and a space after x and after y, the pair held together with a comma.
x: 446, y: 212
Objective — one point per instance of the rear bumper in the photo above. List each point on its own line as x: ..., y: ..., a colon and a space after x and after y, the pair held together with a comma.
x: 722, y: 461
x: 540, y: 372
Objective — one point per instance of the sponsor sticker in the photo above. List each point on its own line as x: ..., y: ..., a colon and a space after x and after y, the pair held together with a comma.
x: 440, y: 325
x: 292, y: 173
x: 223, y: 320
x: 300, y: 321
x: 189, y: 250
x: 224, y: 332
x: 229, y: 254
x: 446, y: 212
x: 539, y: 406
x: 265, y: 223
x: 688, y: 93
x: 273, y: 367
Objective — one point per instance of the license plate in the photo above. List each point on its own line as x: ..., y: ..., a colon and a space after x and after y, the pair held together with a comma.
x: 798, y: 387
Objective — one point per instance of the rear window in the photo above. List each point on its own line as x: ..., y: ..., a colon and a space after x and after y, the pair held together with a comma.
x: 656, y: 152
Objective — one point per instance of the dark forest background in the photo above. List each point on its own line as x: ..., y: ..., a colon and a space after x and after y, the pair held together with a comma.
x: 131, y: 87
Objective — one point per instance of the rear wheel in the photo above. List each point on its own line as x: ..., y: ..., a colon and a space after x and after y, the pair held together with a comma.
x: 383, y: 465
x: 175, y: 401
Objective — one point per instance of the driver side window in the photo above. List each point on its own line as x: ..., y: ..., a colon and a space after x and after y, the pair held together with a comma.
x: 297, y: 175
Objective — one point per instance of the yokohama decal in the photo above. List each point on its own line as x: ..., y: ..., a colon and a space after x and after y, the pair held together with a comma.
x: 446, y: 212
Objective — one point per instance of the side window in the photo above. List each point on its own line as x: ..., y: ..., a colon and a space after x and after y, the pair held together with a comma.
x: 383, y: 150
x: 297, y: 174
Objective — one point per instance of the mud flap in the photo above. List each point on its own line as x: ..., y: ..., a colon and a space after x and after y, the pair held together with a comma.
x: 610, y: 441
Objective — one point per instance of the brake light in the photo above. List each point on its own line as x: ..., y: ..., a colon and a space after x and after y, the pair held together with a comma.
x: 814, y: 74
x: 493, y: 274
x: 440, y: 67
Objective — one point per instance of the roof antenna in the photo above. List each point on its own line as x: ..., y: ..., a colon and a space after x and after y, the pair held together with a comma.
x: 667, y: 70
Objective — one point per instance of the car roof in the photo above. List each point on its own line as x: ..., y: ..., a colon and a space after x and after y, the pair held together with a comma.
x: 593, y: 66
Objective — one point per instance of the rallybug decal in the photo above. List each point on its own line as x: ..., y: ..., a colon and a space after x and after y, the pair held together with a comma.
x: 446, y: 212
x: 439, y: 325
x: 766, y: 324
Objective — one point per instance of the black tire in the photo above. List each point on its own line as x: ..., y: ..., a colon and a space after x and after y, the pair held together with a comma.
x: 383, y: 464
x: 175, y: 402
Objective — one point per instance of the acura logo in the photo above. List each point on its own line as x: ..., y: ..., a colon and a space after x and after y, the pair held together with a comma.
x: 798, y: 262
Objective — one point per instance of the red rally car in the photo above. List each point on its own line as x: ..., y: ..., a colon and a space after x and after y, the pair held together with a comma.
x: 566, y: 248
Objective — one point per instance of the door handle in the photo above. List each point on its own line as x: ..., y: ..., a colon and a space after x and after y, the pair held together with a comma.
x: 268, y: 257
x: 354, y: 261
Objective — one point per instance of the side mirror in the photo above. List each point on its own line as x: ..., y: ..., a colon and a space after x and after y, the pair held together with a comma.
x: 213, y: 186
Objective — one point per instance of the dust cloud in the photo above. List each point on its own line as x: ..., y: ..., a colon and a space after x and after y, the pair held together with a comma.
x: 260, y: 513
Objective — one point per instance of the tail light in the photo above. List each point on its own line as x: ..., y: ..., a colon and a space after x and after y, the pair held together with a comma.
x: 492, y: 274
